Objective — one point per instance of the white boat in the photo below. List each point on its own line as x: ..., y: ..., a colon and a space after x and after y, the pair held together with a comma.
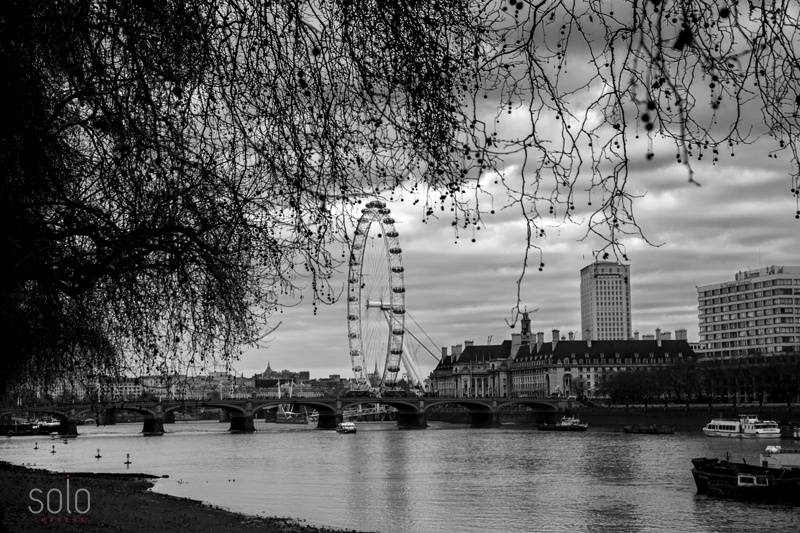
x: 346, y: 427
x: 779, y: 457
x: 567, y: 423
x: 45, y: 422
x: 744, y: 426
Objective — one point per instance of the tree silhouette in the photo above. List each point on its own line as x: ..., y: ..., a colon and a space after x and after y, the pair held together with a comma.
x: 169, y: 170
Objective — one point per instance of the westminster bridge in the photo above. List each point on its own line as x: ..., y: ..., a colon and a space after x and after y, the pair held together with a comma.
x: 411, y: 411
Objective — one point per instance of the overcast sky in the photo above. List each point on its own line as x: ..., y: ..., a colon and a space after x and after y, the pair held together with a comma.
x: 741, y: 218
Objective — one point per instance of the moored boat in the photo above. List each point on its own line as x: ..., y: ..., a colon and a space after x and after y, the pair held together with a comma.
x: 780, y: 457
x: 46, y: 423
x: 346, y: 427
x: 724, y: 479
x: 649, y: 429
x: 23, y: 427
x: 744, y: 426
x: 567, y: 423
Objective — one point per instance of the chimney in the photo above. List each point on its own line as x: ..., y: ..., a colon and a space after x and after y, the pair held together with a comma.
x: 666, y: 336
x: 455, y: 350
x: 539, y: 340
x: 636, y: 335
x: 555, y: 338
x: 658, y: 336
x: 467, y: 343
x: 571, y: 336
x: 516, y: 342
x: 680, y: 334
x: 444, y: 352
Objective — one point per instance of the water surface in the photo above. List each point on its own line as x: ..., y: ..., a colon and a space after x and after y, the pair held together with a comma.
x: 445, y: 478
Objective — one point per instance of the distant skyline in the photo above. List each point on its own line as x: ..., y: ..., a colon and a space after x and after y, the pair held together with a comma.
x: 741, y: 218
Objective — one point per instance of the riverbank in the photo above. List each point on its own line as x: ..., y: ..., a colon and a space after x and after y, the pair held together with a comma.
x: 615, y: 417
x: 116, y: 502
x: 681, y: 417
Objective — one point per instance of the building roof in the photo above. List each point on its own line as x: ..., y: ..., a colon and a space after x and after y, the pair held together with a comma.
x: 604, y: 264
x: 575, y: 349
x: 605, y: 348
x: 754, y: 276
x: 476, y: 354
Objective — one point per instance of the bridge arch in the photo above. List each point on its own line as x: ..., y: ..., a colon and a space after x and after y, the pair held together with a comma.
x: 482, y: 412
x: 485, y: 412
x: 540, y: 410
x: 537, y: 404
x: 328, y: 413
x: 153, y: 424
x: 241, y: 415
x: 305, y: 402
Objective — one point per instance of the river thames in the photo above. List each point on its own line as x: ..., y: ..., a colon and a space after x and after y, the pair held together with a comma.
x: 444, y: 478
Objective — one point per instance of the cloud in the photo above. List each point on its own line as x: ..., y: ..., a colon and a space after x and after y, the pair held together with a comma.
x: 740, y: 218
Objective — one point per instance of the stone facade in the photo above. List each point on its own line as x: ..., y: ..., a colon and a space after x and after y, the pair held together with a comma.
x: 528, y: 368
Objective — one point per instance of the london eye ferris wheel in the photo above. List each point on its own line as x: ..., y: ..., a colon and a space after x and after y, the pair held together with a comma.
x: 376, y: 302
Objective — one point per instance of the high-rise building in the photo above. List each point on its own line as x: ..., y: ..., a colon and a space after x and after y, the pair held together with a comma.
x: 605, y: 301
x: 756, y: 313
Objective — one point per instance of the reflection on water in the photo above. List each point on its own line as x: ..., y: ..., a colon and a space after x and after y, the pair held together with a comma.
x: 446, y: 478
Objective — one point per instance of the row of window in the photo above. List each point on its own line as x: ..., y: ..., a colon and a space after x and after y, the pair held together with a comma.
x: 717, y: 352
x: 749, y: 333
x: 636, y: 360
x: 783, y: 341
x: 771, y: 302
x: 749, y: 296
x: 749, y: 314
x: 750, y: 323
x: 749, y: 287
x: 744, y: 331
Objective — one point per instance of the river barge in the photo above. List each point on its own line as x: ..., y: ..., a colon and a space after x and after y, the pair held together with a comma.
x: 742, y: 481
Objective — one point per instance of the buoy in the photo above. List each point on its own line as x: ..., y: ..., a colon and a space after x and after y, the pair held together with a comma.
x: 35, y: 445
x: 128, y: 459
x: 98, y: 456
x: 54, y: 449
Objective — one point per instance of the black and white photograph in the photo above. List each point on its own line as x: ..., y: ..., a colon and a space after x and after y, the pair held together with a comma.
x: 400, y: 266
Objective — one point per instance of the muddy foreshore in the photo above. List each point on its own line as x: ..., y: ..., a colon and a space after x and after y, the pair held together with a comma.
x: 117, y: 502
